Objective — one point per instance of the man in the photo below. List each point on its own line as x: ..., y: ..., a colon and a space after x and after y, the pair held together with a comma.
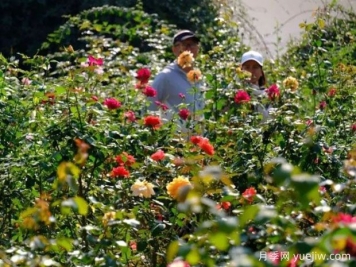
x: 172, y: 86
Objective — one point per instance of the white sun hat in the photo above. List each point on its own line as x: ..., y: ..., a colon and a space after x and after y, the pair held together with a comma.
x: 252, y: 55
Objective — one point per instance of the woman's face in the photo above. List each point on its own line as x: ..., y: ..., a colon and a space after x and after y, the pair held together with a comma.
x: 255, y: 69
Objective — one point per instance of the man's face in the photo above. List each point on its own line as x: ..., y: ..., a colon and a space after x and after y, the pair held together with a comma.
x: 190, y: 45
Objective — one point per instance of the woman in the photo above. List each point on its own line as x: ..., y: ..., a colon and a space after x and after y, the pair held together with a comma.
x: 252, y: 62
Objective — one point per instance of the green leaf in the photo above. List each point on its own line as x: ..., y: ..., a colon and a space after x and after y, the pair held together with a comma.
x: 60, y: 90
x: 248, y: 214
x: 193, y: 256
x: 65, y: 243
x: 67, y: 205
x: 306, y: 188
x: 219, y: 240
x: 228, y: 224
x: 76, y: 204
x: 172, y: 251
x: 82, y: 205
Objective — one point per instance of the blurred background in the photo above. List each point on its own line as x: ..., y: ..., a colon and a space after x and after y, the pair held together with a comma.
x: 265, y: 25
x: 270, y: 24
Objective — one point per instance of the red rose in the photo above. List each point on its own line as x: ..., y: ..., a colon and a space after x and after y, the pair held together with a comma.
x: 184, y: 113
x: 152, y: 121
x: 125, y: 159
x: 143, y: 75
x: 353, y: 127
x: 242, y: 97
x: 322, y: 105
x: 273, y: 92
x: 332, y: 92
x: 161, y: 105
x: 120, y: 172
x: 207, y: 147
x: 149, y: 91
x: 157, y: 156
x: 195, y: 139
x: 130, y: 115
x: 249, y: 194
x: 112, y: 103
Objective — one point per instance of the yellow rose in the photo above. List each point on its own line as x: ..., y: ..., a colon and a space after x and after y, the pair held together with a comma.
x: 179, y: 188
x: 142, y: 189
x: 194, y: 76
x: 291, y: 82
x: 109, y: 216
x: 185, y: 59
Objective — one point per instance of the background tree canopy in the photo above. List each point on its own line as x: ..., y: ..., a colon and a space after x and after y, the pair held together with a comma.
x: 26, y: 24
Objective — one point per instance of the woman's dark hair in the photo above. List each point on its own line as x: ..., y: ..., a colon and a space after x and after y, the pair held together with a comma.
x: 262, y: 81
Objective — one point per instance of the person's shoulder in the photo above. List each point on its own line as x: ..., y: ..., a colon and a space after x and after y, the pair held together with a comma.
x: 167, y: 72
x: 170, y: 68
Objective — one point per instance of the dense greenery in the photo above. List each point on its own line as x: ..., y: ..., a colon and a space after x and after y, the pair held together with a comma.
x: 81, y: 156
x: 26, y: 24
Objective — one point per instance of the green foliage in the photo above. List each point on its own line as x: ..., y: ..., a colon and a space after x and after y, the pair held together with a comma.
x: 71, y: 195
x: 25, y: 31
x: 117, y: 24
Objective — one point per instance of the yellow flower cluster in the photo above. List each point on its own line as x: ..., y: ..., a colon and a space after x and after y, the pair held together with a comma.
x: 109, y: 216
x: 243, y: 74
x: 142, y: 189
x: 291, y: 83
x: 186, y: 59
x: 194, y: 76
x: 178, y: 187
x: 39, y: 213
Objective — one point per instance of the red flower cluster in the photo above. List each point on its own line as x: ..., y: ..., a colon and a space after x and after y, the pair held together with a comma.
x: 125, y: 159
x: 350, y: 247
x: 204, y: 144
x: 344, y: 218
x: 112, y: 103
x: 184, y: 113
x: 50, y: 98
x: 149, y: 91
x: 249, y: 194
x: 322, y: 105
x: 143, y: 75
x: 224, y: 205
x: 130, y: 115
x: 159, y: 155
x: 119, y: 172
x: 273, y: 92
x: 153, y: 122
x: 332, y: 92
x: 353, y: 127
x: 161, y: 105
x: 242, y: 97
